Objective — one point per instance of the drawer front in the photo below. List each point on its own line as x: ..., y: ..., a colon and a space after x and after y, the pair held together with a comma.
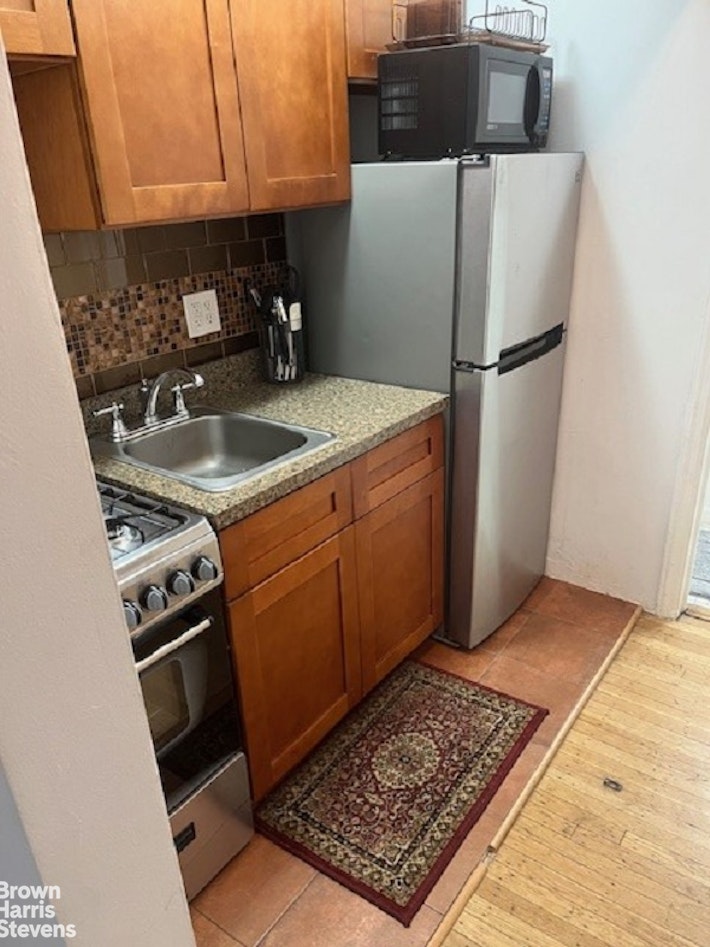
x: 393, y: 466
x: 260, y: 545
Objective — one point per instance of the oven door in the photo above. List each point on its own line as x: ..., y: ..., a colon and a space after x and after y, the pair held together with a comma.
x: 184, y: 667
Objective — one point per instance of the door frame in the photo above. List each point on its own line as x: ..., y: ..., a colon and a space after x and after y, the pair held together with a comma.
x: 692, y: 476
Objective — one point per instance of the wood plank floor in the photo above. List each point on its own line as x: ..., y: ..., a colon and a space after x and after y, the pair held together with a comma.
x: 587, y: 866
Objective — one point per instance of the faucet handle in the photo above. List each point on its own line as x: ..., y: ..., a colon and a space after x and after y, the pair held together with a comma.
x: 178, y: 399
x: 119, y: 432
x: 197, y: 381
x: 177, y: 391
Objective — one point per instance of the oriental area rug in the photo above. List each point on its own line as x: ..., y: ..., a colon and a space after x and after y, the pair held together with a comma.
x: 382, y: 804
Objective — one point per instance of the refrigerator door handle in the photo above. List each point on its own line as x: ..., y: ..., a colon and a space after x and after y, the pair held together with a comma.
x: 460, y: 365
x: 518, y: 355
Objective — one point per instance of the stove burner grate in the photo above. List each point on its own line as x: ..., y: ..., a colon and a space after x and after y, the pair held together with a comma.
x: 133, y: 521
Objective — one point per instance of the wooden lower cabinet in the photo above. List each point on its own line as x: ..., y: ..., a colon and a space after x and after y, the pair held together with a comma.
x: 322, y: 608
x: 296, y: 646
x: 400, y: 576
x: 269, y: 540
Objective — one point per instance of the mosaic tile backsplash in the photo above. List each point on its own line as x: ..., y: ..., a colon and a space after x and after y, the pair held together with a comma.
x: 118, y: 335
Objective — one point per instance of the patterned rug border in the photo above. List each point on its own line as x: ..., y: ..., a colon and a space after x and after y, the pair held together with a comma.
x: 483, y: 687
x: 405, y: 915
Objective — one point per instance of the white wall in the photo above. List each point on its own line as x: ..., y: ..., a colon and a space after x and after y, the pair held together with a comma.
x: 74, y: 740
x: 631, y: 91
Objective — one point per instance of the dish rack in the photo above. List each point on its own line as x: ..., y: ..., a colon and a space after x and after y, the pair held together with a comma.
x: 520, y: 27
x: 417, y: 23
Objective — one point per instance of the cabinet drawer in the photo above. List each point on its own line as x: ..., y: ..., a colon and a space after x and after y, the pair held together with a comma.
x: 393, y: 466
x: 260, y: 545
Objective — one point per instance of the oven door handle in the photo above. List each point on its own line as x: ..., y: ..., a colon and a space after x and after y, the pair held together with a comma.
x: 199, y: 629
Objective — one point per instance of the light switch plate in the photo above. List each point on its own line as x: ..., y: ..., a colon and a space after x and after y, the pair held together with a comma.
x: 201, y: 313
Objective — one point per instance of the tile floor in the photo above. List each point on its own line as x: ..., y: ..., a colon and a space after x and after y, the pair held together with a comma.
x: 546, y: 653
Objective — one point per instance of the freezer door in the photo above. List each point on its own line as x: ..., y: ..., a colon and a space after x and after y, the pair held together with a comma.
x: 379, y: 275
x: 523, y: 286
x: 504, y: 442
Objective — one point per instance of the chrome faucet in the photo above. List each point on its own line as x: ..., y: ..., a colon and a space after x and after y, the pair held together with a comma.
x: 195, y: 380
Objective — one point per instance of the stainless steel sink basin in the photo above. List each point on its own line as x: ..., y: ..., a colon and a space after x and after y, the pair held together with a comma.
x: 215, y: 450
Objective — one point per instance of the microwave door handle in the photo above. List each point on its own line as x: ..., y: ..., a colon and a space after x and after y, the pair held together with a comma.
x: 160, y: 653
x: 532, y: 102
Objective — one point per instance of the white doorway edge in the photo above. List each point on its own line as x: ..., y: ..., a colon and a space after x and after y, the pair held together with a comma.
x: 692, y: 475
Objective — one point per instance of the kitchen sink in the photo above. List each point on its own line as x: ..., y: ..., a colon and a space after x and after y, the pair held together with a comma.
x: 215, y: 450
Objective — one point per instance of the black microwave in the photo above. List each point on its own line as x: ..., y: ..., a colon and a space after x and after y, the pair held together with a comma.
x: 469, y: 98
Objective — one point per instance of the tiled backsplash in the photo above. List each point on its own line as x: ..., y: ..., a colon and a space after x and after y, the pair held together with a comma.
x: 120, y: 293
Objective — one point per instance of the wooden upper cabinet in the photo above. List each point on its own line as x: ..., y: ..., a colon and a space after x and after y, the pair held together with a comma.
x: 369, y: 26
x: 291, y: 68
x: 162, y: 106
x: 36, y: 28
x: 57, y: 148
x: 180, y: 109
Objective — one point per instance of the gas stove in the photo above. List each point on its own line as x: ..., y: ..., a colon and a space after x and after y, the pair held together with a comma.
x: 164, y: 558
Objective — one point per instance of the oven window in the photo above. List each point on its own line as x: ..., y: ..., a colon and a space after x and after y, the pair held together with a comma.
x: 189, y: 698
x: 165, y: 703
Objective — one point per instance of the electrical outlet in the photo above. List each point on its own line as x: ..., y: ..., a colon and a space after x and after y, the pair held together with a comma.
x: 201, y: 313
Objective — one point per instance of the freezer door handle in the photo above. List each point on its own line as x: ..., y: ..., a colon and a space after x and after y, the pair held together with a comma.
x: 518, y: 355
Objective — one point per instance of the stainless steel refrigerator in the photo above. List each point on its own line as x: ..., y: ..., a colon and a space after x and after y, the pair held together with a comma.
x: 456, y: 276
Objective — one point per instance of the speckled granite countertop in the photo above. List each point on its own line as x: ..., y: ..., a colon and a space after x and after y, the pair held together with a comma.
x: 360, y: 414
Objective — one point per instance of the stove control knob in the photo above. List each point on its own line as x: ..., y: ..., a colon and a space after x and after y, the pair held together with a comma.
x: 180, y: 583
x: 132, y: 613
x: 154, y: 598
x: 204, y: 569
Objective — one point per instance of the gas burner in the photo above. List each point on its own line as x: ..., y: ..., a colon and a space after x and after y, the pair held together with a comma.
x: 163, y: 557
x: 122, y: 536
x: 114, y: 527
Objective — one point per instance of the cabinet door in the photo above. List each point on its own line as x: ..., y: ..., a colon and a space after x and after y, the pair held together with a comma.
x: 369, y: 24
x: 291, y: 68
x: 400, y: 560
x: 162, y: 107
x: 295, y: 643
x: 36, y: 28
